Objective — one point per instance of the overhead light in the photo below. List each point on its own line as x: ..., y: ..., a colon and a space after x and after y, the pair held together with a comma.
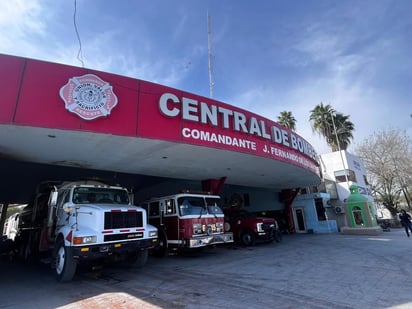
x: 51, y: 136
x: 164, y: 157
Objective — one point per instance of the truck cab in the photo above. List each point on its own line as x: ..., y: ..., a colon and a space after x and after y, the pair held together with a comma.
x: 187, y: 221
x: 248, y: 228
x: 81, y: 221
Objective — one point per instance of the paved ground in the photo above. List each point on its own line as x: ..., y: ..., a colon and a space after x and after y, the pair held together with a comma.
x: 304, y: 271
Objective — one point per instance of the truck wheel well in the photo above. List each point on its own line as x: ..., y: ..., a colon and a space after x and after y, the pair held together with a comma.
x: 163, y: 248
x: 247, y: 237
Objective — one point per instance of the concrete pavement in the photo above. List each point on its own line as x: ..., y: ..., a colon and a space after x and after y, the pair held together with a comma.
x: 304, y: 271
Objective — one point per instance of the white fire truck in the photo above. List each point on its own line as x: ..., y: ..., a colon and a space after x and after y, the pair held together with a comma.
x: 187, y: 221
x: 83, y: 221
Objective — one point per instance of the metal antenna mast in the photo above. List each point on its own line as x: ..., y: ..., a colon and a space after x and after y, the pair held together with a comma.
x: 209, y: 44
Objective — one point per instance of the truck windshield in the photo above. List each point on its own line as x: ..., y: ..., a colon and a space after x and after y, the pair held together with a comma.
x: 193, y: 205
x: 91, y: 195
x: 213, y: 205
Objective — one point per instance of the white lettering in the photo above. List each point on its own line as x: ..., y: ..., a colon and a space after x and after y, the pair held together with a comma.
x: 285, y: 138
x: 164, y: 107
x: 263, y: 128
x: 239, y: 121
x: 254, y: 127
x: 276, y: 135
x: 190, y: 110
x: 294, y: 142
x: 225, y: 116
x: 186, y: 132
x: 208, y: 114
x: 218, y: 138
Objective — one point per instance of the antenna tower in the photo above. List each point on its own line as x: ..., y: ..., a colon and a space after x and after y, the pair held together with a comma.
x: 209, y: 44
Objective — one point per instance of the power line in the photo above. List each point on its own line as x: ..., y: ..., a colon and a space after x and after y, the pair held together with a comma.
x: 79, y: 53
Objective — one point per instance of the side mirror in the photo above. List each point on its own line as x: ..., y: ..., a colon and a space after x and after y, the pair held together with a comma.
x: 53, y: 198
x: 131, y: 198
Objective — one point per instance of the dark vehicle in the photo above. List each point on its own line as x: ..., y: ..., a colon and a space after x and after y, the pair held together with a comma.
x: 247, y: 228
x: 385, y: 225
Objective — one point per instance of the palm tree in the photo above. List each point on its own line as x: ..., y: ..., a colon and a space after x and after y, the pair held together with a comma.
x: 323, y: 123
x: 344, y: 129
x: 287, y: 120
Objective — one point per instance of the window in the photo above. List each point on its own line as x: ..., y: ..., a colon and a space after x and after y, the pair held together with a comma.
x: 85, y: 195
x: 357, y: 216
x: 213, y: 206
x: 330, y: 187
x: 170, y: 207
x: 191, y: 205
x: 340, y: 176
x: 154, y: 209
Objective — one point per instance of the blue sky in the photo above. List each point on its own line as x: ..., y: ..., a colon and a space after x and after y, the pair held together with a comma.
x: 268, y: 56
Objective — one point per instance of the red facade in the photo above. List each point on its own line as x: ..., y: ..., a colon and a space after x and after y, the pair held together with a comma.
x: 29, y: 92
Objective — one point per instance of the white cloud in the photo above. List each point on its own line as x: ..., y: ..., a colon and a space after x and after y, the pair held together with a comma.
x: 332, y: 57
x: 21, y: 22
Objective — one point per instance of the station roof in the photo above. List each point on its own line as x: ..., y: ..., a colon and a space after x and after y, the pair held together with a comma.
x: 67, y: 116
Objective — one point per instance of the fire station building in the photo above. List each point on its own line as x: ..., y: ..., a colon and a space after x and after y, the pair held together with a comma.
x: 60, y: 122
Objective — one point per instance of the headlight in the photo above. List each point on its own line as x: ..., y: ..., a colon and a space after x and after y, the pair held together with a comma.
x: 259, y: 227
x: 197, y: 228
x: 84, y: 240
x: 153, y: 233
x: 67, y: 207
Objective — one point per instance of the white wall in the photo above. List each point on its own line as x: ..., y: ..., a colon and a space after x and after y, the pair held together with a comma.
x: 338, y: 161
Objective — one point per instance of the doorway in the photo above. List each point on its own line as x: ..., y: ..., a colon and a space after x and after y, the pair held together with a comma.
x: 299, y: 218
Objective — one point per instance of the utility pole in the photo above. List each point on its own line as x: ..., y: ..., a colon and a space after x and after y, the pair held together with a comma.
x: 340, y: 152
x: 209, y: 44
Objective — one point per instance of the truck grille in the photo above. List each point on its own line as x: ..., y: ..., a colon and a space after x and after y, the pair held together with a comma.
x: 123, y: 236
x: 122, y: 219
x: 268, y: 227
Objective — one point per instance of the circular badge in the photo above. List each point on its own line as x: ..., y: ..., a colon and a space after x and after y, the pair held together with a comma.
x: 88, y: 96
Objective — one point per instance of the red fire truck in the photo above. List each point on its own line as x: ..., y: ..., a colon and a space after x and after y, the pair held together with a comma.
x: 187, y: 221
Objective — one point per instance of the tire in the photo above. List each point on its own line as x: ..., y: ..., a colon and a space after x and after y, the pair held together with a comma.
x: 142, y: 257
x: 65, y: 264
x: 24, y: 252
x: 137, y: 259
x: 162, y: 249
x: 278, y: 236
x: 247, y: 238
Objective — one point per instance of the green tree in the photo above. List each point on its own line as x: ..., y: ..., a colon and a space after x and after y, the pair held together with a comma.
x: 344, y: 129
x: 325, y: 120
x: 287, y: 120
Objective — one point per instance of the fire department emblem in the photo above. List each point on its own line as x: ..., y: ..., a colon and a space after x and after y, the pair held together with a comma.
x: 88, y: 96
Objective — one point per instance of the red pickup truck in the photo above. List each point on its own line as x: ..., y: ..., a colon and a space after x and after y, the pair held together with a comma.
x: 247, y: 228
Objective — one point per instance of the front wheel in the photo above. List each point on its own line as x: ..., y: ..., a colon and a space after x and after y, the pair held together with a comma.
x: 161, y: 250
x: 64, y: 262
x: 247, y: 238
